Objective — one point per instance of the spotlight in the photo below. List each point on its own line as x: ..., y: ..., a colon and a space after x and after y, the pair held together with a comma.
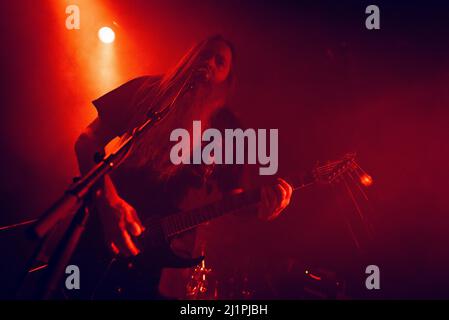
x: 366, y: 180
x: 106, y: 35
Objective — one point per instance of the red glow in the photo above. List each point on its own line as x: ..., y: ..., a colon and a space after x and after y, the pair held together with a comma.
x: 311, y: 275
x: 38, y: 268
x: 314, y: 277
x: 366, y: 180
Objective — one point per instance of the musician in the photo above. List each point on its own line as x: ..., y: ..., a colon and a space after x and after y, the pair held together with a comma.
x: 147, y: 182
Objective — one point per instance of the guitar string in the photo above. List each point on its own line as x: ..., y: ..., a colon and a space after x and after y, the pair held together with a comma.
x: 197, y: 216
x: 363, y: 218
x: 179, y: 221
x: 350, y: 174
x: 183, y: 221
x: 357, y: 183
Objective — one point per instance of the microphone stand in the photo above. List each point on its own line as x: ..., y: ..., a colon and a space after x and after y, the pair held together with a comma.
x: 75, y: 202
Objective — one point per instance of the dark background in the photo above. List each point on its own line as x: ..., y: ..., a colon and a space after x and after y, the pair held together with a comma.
x: 310, y: 69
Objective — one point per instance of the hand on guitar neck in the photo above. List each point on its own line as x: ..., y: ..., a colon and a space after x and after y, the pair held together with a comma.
x: 274, y: 200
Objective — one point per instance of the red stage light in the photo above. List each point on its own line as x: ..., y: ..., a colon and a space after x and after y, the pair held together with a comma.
x: 314, y: 277
x: 366, y: 180
x: 311, y: 275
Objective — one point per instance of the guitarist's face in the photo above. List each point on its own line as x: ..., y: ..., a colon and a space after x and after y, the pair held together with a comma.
x: 214, y: 63
x: 212, y: 70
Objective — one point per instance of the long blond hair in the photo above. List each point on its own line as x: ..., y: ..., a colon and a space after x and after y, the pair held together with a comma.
x: 153, y: 96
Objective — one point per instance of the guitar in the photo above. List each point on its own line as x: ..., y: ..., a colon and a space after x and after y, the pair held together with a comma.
x: 154, y: 243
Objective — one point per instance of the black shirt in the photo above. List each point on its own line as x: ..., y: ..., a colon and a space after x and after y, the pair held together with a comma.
x: 141, y: 187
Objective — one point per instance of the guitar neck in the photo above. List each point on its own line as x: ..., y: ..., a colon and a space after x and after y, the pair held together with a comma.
x: 183, y: 221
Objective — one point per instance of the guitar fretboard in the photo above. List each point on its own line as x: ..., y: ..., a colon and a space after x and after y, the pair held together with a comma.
x: 183, y: 221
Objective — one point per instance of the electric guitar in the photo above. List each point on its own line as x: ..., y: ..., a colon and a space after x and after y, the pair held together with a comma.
x: 154, y: 243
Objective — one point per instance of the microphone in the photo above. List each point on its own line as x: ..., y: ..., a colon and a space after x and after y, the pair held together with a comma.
x: 203, y: 73
x: 195, y: 77
x: 198, y: 75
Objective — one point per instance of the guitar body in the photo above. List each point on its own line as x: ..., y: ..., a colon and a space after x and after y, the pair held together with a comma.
x: 161, y: 257
x: 168, y: 242
x: 138, y: 277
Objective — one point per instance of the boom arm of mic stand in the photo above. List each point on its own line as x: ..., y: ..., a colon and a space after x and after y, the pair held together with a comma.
x: 73, y: 198
x: 74, y: 202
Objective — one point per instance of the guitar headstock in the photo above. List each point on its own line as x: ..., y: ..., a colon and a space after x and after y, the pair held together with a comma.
x: 333, y: 170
